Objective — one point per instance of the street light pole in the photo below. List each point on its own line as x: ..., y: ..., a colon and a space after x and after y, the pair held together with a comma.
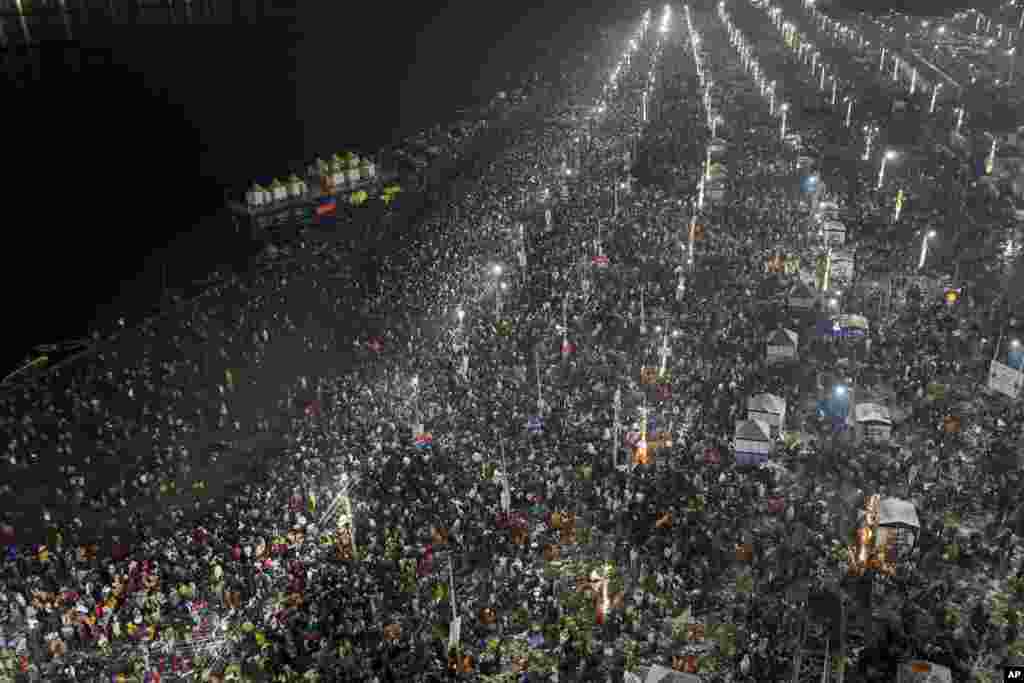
x: 924, y: 248
x: 849, y: 110
x: 935, y: 94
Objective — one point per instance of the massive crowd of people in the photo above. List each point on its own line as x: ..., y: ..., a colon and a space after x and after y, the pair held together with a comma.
x: 192, y: 472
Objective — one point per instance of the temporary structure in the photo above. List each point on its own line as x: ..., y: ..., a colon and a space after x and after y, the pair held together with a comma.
x: 849, y: 325
x: 873, y: 422
x: 752, y: 441
x: 257, y: 196
x: 278, y: 190
x: 660, y: 674
x: 835, y: 232
x: 296, y: 186
x: 769, y: 409
x: 898, y: 527
x: 923, y: 672
x: 843, y: 265
x: 781, y: 345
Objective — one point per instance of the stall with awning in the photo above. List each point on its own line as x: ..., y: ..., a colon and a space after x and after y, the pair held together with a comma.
x: 659, y: 674
x: 752, y: 441
x: 920, y: 671
x: 874, y: 423
x: 898, y: 528
x: 781, y: 346
x: 849, y: 325
x: 767, y: 408
x: 835, y: 233
x: 843, y: 265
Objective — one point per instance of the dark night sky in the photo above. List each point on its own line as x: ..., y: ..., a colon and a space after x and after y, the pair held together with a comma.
x: 128, y: 154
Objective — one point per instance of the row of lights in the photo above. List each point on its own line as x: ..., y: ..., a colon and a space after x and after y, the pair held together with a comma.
x: 751, y: 64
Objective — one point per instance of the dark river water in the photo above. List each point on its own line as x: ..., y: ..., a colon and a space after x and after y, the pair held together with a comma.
x: 122, y: 141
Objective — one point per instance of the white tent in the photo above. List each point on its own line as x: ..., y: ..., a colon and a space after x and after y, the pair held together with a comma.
x: 923, y: 672
x: 769, y: 409
x: 782, y: 345
x: 835, y: 232
x: 896, y: 512
x: 843, y: 265
x: 660, y: 674
x: 752, y: 441
x: 873, y: 422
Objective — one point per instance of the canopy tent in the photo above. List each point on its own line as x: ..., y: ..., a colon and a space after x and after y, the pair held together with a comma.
x: 924, y: 672
x: 849, y: 325
x: 767, y: 408
x: 660, y: 674
x: 835, y: 233
x: 898, y: 527
x: 843, y: 265
x: 873, y: 422
x: 897, y: 512
x: 782, y: 345
x: 752, y: 441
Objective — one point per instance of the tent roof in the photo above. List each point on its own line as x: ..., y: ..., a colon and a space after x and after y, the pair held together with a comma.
x: 936, y: 674
x: 661, y: 674
x: 783, y: 337
x: 894, y: 511
x: 767, y: 403
x: 847, y: 320
x: 752, y: 430
x: 872, y: 412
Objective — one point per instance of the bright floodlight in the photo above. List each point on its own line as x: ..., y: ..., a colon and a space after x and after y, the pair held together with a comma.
x: 415, y: 381
x: 496, y: 269
x: 942, y: 30
x: 931, y: 234
x: 890, y: 154
x: 840, y: 390
x: 1015, y: 343
x: 461, y: 314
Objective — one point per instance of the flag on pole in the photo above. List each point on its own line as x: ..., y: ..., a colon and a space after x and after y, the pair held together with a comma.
x: 601, y: 261
x: 424, y: 441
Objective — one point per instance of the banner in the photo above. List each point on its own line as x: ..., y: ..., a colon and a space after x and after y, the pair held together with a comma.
x: 1004, y: 379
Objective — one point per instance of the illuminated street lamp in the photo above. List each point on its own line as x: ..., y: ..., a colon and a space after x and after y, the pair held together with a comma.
x: 849, y: 109
x: 785, y: 109
x: 833, y: 91
x: 928, y: 236
x: 888, y: 156
x: 959, y: 119
x: 913, y: 81
x: 935, y: 94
